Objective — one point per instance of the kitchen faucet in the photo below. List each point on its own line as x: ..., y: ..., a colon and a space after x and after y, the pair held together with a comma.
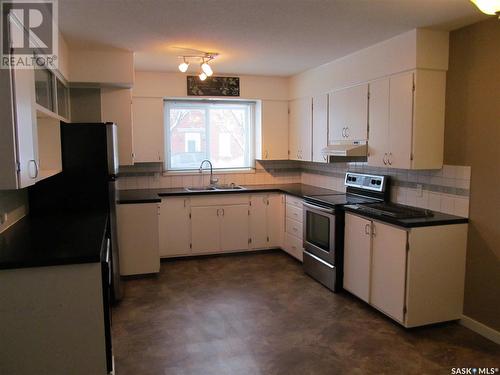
x: 213, y: 180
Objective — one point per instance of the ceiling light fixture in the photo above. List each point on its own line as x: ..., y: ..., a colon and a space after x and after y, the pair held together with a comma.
x: 490, y: 7
x: 204, y: 58
x: 183, y: 66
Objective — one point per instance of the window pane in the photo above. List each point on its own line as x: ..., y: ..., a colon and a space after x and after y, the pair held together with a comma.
x: 187, y: 137
x: 219, y: 132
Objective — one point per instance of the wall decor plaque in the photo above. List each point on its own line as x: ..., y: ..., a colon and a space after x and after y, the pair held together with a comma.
x: 213, y: 86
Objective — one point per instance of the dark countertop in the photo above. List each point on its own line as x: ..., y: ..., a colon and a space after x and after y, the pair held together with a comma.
x: 68, y: 238
x: 154, y: 195
x: 438, y: 218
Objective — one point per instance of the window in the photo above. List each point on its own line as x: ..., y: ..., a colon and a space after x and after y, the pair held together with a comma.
x: 220, y: 131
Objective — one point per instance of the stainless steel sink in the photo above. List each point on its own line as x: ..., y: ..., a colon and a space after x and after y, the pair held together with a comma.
x: 201, y: 188
x: 215, y: 188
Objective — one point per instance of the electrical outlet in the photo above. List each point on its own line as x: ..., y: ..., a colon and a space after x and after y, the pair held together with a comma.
x: 420, y: 192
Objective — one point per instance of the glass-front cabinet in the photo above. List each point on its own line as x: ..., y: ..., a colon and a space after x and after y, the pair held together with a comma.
x: 52, y: 93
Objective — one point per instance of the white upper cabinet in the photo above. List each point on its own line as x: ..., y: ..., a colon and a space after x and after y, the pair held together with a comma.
x: 406, y: 127
x: 116, y: 106
x: 319, y: 127
x: 348, y: 114
x: 300, y: 129
x: 273, y: 141
x: 148, y: 123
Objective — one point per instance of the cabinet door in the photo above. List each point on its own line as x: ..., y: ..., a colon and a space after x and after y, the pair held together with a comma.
x: 400, y: 120
x: 148, y: 129
x: 138, y: 238
x: 116, y: 106
x: 258, y: 221
x: 234, y: 227
x: 175, y: 225
x: 26, y: 129
x: 319, y: 127
x: 275, y: 220
x: 388, y: 270
x: 274, y: 130
x: 378, y: 135
x: 205, y: 229
x: 300, y: 130
x: 348, y: 114
x: 357, y: 256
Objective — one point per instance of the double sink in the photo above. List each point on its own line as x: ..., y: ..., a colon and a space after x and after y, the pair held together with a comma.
x: 214, y: 188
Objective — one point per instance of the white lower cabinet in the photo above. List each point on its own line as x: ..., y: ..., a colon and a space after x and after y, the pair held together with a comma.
x: 234, y: 227
x: 175, y: 227
x: 415, y: 276
x: 293, y: 244
x: 266, y: 221
x: 138, y: 238
x: 205, y: 229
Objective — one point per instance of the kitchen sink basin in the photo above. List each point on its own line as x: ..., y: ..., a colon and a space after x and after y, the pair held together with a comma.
x: 215, y: 188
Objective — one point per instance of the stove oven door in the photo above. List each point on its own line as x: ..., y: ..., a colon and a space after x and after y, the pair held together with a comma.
x: 319, y: 232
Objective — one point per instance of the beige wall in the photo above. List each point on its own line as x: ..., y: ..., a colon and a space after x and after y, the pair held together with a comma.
x: 472, y: 137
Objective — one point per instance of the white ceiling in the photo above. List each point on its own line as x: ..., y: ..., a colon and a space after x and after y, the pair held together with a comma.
x: 263, y: 37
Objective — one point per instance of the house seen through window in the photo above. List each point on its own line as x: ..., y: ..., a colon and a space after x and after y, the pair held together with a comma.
x: 220, y: 131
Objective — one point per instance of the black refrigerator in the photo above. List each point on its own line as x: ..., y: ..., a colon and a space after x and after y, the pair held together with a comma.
x: 87, y: 183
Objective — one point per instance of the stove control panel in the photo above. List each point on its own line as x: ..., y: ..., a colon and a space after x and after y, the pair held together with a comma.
x: 365, y: 181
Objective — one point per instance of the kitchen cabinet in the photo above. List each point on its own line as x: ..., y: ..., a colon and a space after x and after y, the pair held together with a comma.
x: 300, y: 129
x: 357, y: 256
x: 116, y: 107
x: 174, y: 227
x: 407, y: 121
x: 272, y: 136
x: 348, y: 114
x: 219, y: 223
x: 319, y: 127
x: 293, y: 244
x: 413, y: 275
x: 147, y: 123
x: 266, y: 221
x: 138, y: 238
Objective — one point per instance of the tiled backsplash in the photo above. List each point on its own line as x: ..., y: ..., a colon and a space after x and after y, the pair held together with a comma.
x: 445, y: 190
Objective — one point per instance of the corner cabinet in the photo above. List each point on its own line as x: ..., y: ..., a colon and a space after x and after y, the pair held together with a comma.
x: 138, y: 238
x: 300, y: 129
x: 147, y: 123
x: 415, y: 276
x: 272, y: 135
x: 406, y: 114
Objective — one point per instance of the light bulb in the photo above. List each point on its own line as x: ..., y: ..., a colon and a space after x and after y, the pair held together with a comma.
x: 183, y: 67
x: 207, y: 69
x: 488, y: 6
x: 202, y: 76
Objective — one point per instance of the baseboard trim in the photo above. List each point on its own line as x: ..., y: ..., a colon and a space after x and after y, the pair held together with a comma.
x: 480, y: 328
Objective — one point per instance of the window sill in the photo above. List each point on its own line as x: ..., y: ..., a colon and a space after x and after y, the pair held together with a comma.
x: 207, y: 171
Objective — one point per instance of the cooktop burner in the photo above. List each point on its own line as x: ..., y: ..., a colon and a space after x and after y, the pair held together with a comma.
x: 394, y: 210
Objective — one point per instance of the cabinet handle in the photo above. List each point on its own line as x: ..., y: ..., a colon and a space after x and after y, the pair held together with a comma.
x: 343, y: 132
x: 267, y: 155
x: 373, y: 230
x: 389, y: 158
x: 222, y: 212
x: 36, y: 168
x: 384, y: 159
x: 325, y: 158
x: 367, y: 229
x: 347, y: 132
x: 217, y: 212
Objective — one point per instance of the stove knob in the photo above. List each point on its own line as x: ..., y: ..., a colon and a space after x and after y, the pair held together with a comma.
x: 373, y: 182
x: 379, y: 182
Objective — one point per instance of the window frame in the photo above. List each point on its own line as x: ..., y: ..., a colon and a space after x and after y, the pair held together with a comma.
x: 249, y: 156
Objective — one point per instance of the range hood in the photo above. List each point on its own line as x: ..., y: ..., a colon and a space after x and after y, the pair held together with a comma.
x: 348, y: 149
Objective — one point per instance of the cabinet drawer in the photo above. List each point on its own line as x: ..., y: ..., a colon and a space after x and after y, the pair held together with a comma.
x: 294, y: 228
x: 293, y: 246
x: 294, y: 201
x: 294, y: 213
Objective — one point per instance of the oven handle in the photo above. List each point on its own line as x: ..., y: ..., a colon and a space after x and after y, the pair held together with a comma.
x: 319, y: 259
x: 319, y: 208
